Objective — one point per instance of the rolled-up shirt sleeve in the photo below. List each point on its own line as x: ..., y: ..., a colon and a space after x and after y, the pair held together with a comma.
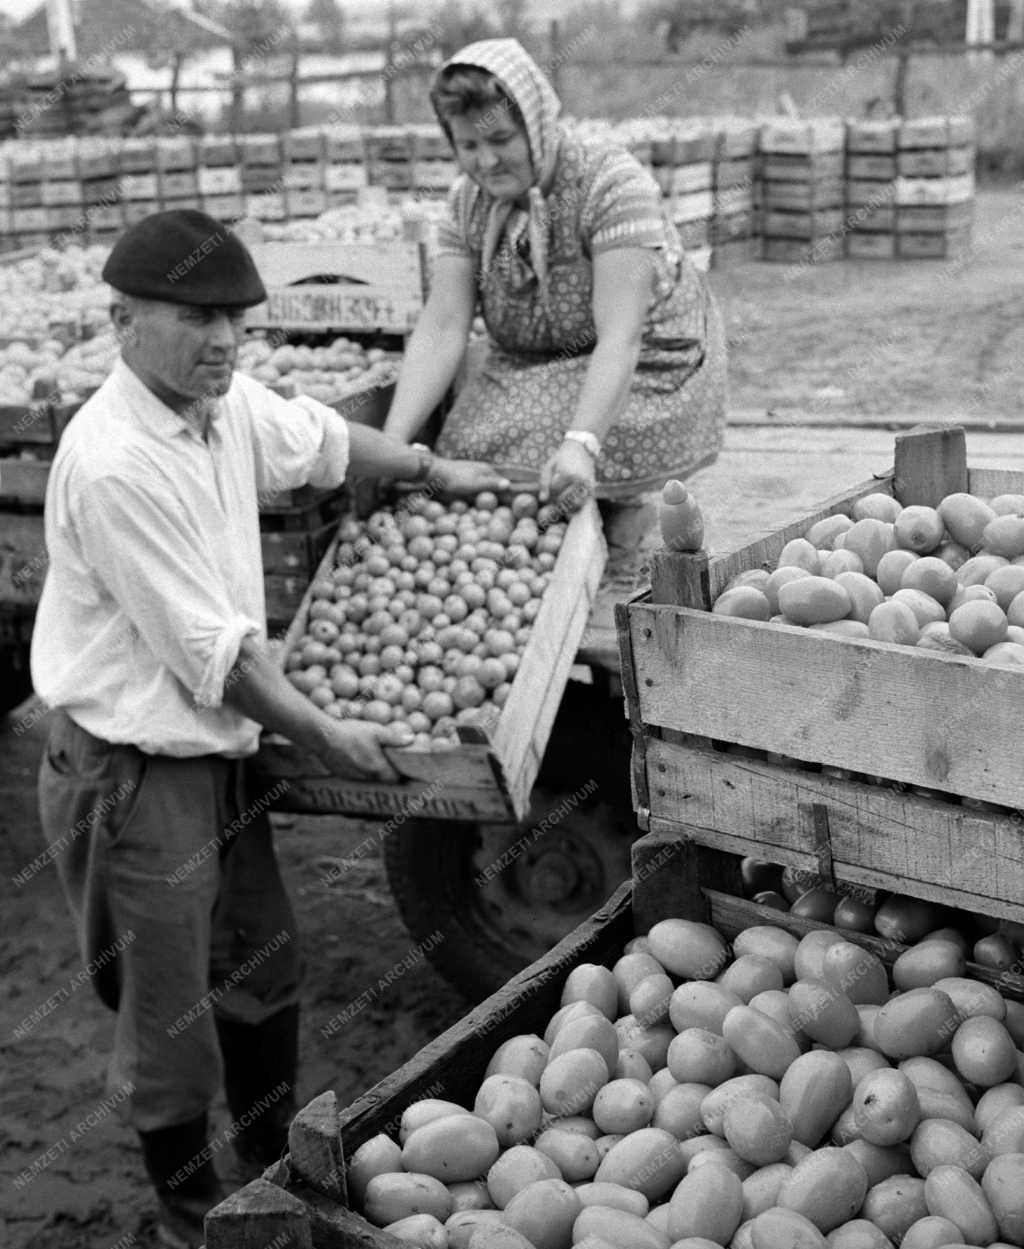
x: 154, y: 562
x: 297, y: 442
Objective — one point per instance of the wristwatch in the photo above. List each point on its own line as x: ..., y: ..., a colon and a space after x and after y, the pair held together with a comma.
x: 587, y: 440
x: 426, y: 461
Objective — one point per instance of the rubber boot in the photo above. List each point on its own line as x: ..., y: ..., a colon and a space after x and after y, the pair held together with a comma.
x: 260, y: 1066
x: 180, y: 1165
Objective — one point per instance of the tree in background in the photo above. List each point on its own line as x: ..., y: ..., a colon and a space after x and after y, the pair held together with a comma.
x: 328, y: 20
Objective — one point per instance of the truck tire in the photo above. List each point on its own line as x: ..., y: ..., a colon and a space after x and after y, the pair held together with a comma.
x: 486, y: 900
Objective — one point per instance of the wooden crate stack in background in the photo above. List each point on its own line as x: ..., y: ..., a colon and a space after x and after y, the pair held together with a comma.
x: 934, y: 187
x: 305, y: 195
x: 219, y: 177
x: 682, y: 166
x: 802, y: 190
x: 345, y: 171
x: 433, y: 164
x: 263, y: 177
x: 871, y: 189
x: 734, y: 230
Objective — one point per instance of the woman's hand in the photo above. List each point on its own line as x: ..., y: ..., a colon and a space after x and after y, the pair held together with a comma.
x: 466, y: 476
x: 569, y: 477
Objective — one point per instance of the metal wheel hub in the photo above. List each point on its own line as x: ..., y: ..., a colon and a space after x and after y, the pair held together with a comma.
x: 533, y: 893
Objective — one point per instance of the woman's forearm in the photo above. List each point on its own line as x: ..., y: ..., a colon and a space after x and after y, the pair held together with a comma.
x: 431, y: 360
x: 606, y: 384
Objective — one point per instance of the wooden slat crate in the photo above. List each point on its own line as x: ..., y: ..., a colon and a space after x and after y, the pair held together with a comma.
x: 917, y: 719
x: 873, y: 166
x: 932, y: 162
x: 218, y: 149
x: 804, y: 196
x: 872, y: 136
x: 740, y: 172
x: 305, y: 1197
x: 802, y: 251
x: 488, y: 776
x: 381, y: 287
x: 821, y: 166
x: 140, y: 186
x: 802, y: 225
x: 933, y: 246
x: 219, y: 180
x: 871, y: 245
x: 63, y: 191
x: 871, y: 218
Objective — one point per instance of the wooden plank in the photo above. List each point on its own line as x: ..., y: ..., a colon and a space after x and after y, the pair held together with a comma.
x: 451, y: 1066
x: 989, y: 482
x: 880, y: 836
x: 526, y: 718
x: 929, y: 464
x: 873, y: 707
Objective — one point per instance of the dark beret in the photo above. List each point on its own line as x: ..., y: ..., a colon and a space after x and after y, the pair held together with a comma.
x: 184, y: 256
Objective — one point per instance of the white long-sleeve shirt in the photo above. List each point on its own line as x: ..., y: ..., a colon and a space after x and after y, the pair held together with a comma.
x: 155, y: 574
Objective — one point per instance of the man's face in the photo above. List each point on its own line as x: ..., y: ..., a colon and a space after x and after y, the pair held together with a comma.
x: 183, y: 353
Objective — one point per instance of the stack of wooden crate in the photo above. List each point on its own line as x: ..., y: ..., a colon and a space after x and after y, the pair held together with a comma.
x: 681, y: 163
x: 219, y: 177
x: 934, y: 187
x: 734, y: 230
x: 262, y: 177
x: 345, y: 172
x: 390, y: 152
x: 871, y: 189
x: 304, y: 191
x: 802, y: 190
x: 25, y: 194
x: 433, y: 168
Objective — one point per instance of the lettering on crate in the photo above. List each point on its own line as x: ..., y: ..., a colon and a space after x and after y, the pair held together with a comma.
x: 328, y: 795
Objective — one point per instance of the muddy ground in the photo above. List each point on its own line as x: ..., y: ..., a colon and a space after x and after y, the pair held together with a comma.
x: 837, y: 339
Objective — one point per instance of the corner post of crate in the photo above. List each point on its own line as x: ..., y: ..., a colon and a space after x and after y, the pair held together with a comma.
x: 637, y: 755
x: 681, y: 578
x: 314, y: 1147
x: 929, y: 464
x: 258, y: 1215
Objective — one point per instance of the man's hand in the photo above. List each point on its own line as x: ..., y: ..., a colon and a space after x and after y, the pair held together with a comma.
x: 352, y: 749
x: 466, y: 476
x: 569, y: 477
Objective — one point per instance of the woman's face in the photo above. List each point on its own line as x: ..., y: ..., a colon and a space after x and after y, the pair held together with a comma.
x: 494, y: 151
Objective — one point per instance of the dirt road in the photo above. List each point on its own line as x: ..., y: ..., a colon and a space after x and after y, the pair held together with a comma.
x: 841, y: 338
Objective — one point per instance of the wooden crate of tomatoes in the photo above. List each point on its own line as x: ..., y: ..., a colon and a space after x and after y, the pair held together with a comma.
x: 685, y: 1068
x: 460, y: 619
x: 841, y: 696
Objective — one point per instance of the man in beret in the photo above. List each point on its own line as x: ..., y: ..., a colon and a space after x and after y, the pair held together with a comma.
x: 150, y: 648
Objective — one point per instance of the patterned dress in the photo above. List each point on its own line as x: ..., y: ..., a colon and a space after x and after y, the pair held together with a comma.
x: 534, y: 270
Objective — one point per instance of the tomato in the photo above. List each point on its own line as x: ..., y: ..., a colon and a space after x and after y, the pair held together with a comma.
x: 486, y: 501
x: 491, y: 672
x: 377, y: 711
x: 437, y: 704
x: 391, y: 657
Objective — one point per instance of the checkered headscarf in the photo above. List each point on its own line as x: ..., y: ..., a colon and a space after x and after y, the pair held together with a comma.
x: 523, y: 81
